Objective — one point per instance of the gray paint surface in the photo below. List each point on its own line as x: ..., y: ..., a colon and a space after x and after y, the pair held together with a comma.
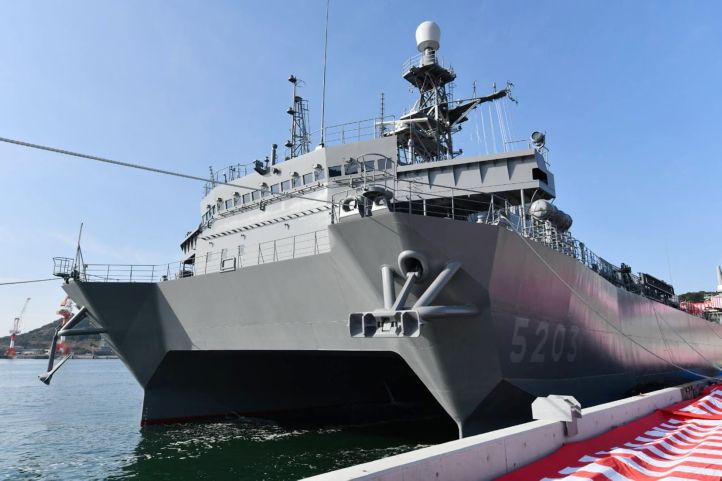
x: 532, y: 336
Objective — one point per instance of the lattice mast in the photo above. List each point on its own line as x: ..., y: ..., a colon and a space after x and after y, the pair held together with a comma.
x: 300, y: 141
x: 426, y: 132
x: 10, y: 351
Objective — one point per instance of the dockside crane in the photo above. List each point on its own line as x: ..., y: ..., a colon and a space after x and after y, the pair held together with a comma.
x: 65, y: 312
x: 10, y: 351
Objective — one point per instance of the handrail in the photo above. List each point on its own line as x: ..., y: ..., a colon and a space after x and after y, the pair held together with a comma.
x: 419, y: 59
x: 286, y: 248
x: 491, y: 209
x: 461, y: 204
x: 354, y: 131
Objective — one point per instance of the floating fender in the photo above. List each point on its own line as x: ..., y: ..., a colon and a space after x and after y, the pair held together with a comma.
x: 349, y: 204
x: 564, y: 221
x: 542, y: 210
x: 378, y: 194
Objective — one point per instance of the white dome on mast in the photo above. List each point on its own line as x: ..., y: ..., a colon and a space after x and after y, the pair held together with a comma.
x: 428, y: 35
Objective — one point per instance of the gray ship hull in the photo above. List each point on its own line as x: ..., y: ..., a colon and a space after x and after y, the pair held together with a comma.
x: 274, y: 338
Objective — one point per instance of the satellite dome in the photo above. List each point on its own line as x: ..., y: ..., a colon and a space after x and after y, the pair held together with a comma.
x: 428, y: 35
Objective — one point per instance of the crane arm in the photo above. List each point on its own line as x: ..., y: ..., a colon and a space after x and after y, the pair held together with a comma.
x: 25, y: 306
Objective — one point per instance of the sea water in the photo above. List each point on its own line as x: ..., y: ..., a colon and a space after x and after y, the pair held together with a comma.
x: 86, y: 426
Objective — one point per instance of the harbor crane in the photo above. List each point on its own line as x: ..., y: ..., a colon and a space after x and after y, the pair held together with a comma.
x: 10, y: 351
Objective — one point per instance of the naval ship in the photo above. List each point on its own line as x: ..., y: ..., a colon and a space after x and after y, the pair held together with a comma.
x: 385, y: 271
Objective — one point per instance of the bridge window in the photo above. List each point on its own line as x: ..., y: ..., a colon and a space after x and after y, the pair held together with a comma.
x: 229, y: 203
x: 352, y: 169
x: 296, y: 182
x: 319, y: 174
x: 335, y: 171
x: 285, y: 185
x: 256, y: 195
x: 246, y: 198
x: 275, y: 188
x: 307, y: 178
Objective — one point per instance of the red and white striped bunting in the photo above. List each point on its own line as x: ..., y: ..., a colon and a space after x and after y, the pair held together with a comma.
x: 679, y: 444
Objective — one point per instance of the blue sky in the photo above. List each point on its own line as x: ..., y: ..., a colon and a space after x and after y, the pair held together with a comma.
x: 628, y: 93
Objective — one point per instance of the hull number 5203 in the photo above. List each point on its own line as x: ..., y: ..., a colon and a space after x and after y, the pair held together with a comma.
x: 541, y: 342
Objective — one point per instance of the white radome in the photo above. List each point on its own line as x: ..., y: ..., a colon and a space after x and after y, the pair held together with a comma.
x: 428, y: 35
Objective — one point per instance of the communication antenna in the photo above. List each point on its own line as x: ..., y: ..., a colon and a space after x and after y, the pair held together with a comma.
x: 323, y: 88
x: 213, y: 177
x: 382, y: 126
x: 299, y: 142
x: 79, y: 268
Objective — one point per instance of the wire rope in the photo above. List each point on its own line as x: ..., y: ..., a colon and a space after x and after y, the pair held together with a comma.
x: 28, y: 282
x: 140, y: 167
x: 607, y: 321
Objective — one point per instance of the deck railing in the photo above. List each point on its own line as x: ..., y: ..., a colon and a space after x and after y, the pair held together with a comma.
x: 421, y: 59
x: 419, y: 198
x: 345, y: 133
x: 476, y: 206
x: 225, y: 260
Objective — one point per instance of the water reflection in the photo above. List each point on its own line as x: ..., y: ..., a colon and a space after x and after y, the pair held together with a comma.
x: 85, y: 426
x: 249, y: 449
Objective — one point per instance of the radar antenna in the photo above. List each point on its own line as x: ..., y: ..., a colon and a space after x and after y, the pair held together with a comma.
x: 425, y: 133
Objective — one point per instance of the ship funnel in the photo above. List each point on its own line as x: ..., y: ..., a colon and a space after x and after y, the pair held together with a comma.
x: 719, y: 279
x: 428, y: 35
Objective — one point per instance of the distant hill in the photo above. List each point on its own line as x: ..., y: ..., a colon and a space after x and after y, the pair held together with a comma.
x: 41, y: 338
x: 697, y: 296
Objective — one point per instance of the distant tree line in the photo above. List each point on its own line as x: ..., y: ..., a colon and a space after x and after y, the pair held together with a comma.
x: 697, y: 296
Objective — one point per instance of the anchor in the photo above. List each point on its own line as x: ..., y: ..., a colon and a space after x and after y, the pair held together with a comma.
x: 67, y: 330
x: 395, y: 320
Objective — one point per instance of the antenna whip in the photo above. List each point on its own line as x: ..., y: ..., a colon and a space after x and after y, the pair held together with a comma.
x: 323, y: 93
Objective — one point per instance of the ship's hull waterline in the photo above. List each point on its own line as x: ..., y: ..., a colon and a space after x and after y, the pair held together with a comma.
x: 274, y: 338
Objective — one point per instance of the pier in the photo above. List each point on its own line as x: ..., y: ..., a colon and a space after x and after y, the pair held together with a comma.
x: 555, y: 448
